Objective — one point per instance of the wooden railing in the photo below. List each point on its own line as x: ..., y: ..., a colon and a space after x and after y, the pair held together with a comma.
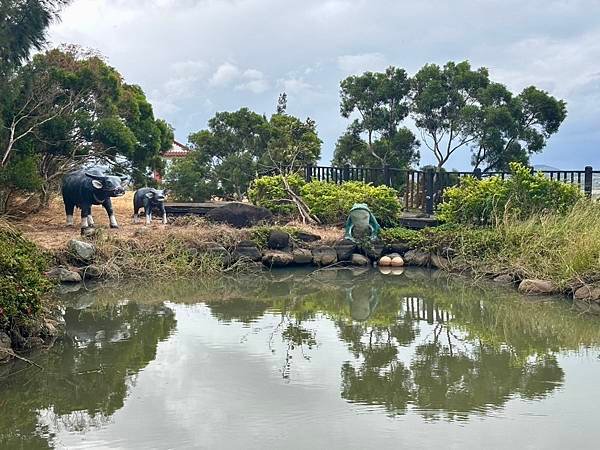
x: 423, y: 189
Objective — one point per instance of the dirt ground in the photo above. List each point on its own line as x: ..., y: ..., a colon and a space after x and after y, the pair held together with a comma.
x: 48, y: 227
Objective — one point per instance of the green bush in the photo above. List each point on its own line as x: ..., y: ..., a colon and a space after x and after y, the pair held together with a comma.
x: 269, y: 192
x: 330, y: 202
x: 22, y: 279
x: 414, y: 238
x: 484, y: 202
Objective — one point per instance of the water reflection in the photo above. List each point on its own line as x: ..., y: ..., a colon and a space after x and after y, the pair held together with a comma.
x: 413, y: 341
x: 86, y: 376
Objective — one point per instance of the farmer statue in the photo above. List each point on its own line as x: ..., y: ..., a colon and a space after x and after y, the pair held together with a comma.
x: 361, y: 223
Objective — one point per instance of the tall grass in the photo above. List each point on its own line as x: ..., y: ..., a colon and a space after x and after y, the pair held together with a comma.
x: 563, y: 248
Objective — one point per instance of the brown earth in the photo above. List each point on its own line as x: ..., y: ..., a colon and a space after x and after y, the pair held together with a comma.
x: 47, y: 228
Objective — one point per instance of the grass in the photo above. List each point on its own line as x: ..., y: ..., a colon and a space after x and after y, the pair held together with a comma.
x: 563, y: 248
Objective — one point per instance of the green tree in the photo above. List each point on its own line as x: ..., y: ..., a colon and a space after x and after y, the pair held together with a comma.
x: 23, y: 25
x: 444, y: 106
x: 67, y: 108
x: 511, y: 128
x: 292, y: 143
x: 237, y: 146
x: 382, y: 103
x: 456, y: 107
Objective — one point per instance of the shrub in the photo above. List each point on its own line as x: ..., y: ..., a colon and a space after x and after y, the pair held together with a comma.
x: 22, y: 279
x: 269, y: 192
x: 483, y: 202
x: 414, y: 238
x: 331, y: 202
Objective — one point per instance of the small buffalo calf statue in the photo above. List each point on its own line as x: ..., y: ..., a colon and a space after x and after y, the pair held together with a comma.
x: 84, y: 188
x: 149, y: 199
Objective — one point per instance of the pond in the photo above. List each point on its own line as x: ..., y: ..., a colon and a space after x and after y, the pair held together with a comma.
x: 298, y: 359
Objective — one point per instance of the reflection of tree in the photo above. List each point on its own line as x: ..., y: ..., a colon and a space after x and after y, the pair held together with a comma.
x: 465, y: 349
x: 86, y: 376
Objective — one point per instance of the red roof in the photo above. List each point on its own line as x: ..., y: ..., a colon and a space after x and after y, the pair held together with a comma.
x: 178, y: 150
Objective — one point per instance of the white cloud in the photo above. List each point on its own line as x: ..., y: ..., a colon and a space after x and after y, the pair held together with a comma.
x: 225, y: 74
x: 355, y: 64
x: 185, y: 52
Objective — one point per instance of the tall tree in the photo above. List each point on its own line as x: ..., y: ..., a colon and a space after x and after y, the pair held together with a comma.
x: 443, y: 106
x: 382, y: 103
x: 292, y: 143
x: 458, y: 108
x: 511, y: 128
x: 69, y: 107
x: 23, y: 25
x: 232, y: 146
x: 237, y: 146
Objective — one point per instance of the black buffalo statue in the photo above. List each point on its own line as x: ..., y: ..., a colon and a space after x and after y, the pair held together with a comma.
x: 84, y: 188
x: 149, y: 199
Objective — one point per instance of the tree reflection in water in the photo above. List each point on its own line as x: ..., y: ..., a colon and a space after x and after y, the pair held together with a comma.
x: 435, y: 345
x: 86, y: 376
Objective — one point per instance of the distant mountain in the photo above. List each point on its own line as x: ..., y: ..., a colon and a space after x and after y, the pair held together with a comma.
x: 544, y: 167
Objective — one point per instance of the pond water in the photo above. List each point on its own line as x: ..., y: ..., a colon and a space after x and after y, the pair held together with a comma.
x: 292, y: 359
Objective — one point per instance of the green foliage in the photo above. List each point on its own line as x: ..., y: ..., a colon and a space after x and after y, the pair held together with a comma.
x: 187, y: 180
x: 413, y: 238
x: 22, y: 279
x: 486, y: 201
x: 66, y: 108
x: 382, y: 101
x: 330, y: 202
x: 269, y: 192
x: 457, y: 107
x: 238, y: 145
x: 562, y: 248
x: 23, y: 26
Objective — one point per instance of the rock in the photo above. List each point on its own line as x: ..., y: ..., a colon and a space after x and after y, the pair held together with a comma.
x: 302, y: 256
x: 399, y: 247
x: 240, y: 215
x: 63, y: 275
x: 397, y: 261
x: 324, y: 256
x: 277, y: 258
x: 278, y: 240
x: 360, y: 260
x: 344, y: 249
x: 417, y: 258
x: 504, y: 278
x: 306, y: 236
x: 247, y: 250
x: 385, y: 261
x: 92, y: 272
x: 537, y: 287
x: 440, y: 262
x: 81, y: 251
x: 587, y: 292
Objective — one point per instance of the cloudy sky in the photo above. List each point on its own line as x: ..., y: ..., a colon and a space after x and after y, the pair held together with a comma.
x: 196, y: 57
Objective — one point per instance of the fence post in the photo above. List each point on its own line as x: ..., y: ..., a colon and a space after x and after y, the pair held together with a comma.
x: 587, y: 181
x: 346, y: 173
x: 477, y: 173
x: 386, y: 175
x: 308, y: 171
x: 428, y: 190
